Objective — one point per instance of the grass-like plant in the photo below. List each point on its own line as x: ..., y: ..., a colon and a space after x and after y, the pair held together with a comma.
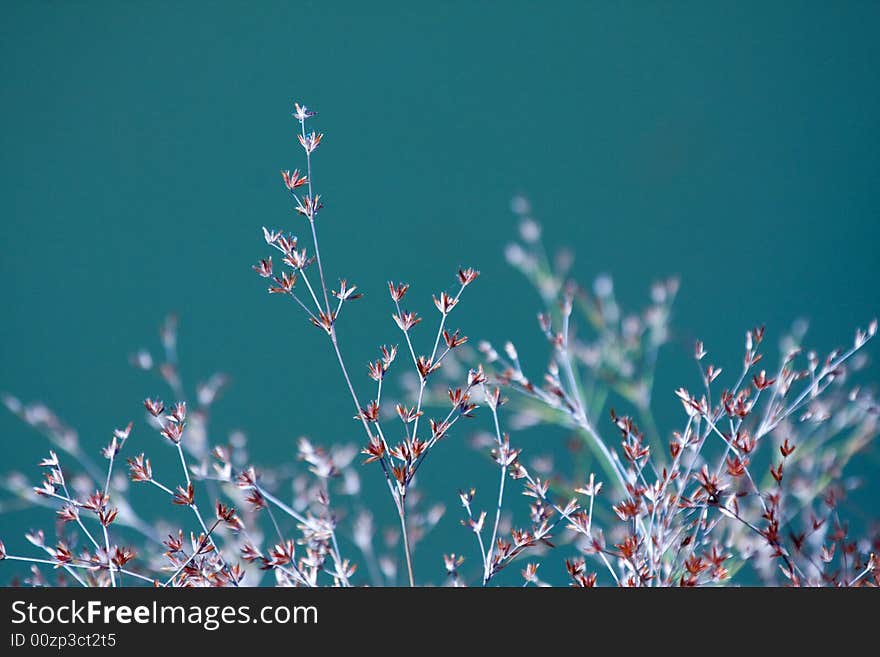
x: 751, y: 482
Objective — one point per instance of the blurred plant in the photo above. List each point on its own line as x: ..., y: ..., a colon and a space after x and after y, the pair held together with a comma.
x: 755, y: 475
x: 673, y: 497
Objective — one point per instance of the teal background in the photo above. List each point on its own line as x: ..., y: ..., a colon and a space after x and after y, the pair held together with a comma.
x: 734, y: 144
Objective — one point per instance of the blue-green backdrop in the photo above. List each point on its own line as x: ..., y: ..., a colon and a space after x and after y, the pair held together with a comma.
x: 732, y: 143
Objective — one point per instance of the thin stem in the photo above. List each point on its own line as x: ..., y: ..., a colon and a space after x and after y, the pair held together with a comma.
x: 109, y: 562
x: 109, y: 474
x: 103, y: 526
x: 281, y: 505
x: 194, y: 554
x: 198, y: 515
x: 864, y: 572
x: 579, y: 412
x: 398, y: 498
x: 311, y: 291
x: 479, y: 536
x: 275, y: 524
x: 782, y: 552
x: 83, y: 565
x: 412, y: 352
x: 312, y: 221
x: 296, y: 574
x: 406, y: 548
x: 357, y: 406
x: 423, y: 380
x: 304, y: 306
x: 447, y: 424
x: 318, y: 259
x: 497, y: 521
x: 49, y: 562
x: 161, y: 487
x: 75, y: 504
x: 337, y: 558
x: 213, y: 544
x: 183, y: 464
x: 520, y: 384
x: 334, y: 552
x: 498, y: 439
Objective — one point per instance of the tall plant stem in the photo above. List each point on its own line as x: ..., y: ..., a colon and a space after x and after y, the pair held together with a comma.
x: 397, y: 496
x: 406, y: 548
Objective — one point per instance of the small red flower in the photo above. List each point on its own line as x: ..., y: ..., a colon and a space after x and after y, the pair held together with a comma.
x: 184, y: 496
x: 293, y: 180
x: 467, y: 276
